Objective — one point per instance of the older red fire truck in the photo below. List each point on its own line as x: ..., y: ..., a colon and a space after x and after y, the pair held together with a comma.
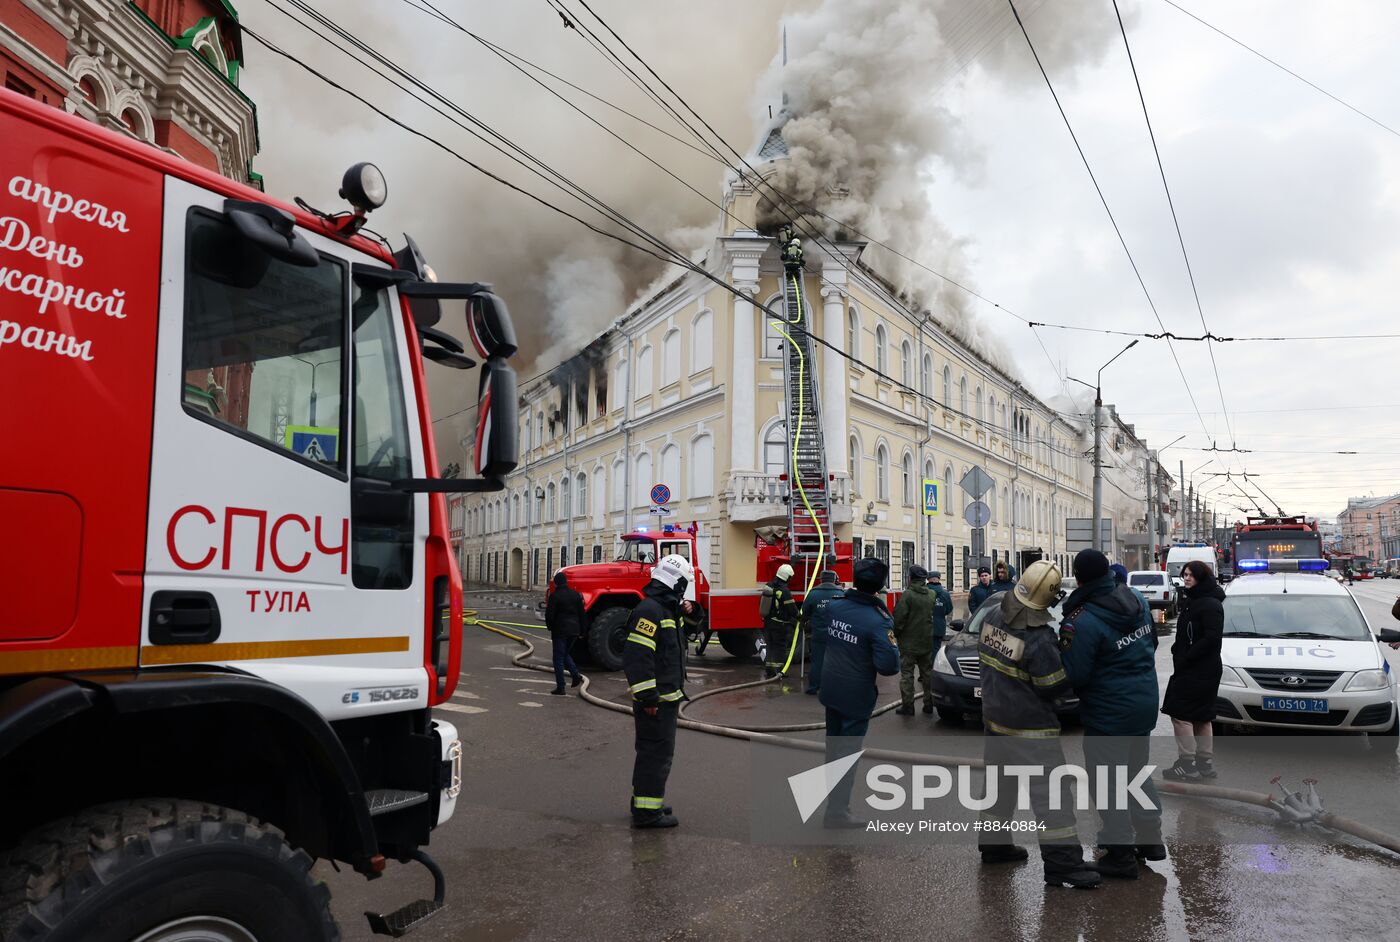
x: 229, y: 600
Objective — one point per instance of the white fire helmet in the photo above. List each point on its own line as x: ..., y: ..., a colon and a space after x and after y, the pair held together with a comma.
x: 785, y: 572
x: 674, y: 572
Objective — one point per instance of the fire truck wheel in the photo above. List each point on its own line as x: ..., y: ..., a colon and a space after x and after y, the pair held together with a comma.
x: 606, y: 636
x: 159, y: 870
x: 741, y: 643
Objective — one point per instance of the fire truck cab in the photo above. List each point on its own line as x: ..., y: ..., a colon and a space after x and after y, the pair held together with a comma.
x: 230, y: 600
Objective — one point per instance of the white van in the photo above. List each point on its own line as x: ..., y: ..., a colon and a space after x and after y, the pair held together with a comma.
x: 1182, y: 553
x: 1298, y: 653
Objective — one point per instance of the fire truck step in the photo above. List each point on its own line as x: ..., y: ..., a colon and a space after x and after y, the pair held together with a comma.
x: 407, y: 918
x: 386, y: 800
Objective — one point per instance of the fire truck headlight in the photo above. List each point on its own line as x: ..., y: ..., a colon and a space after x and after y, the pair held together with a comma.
x: 364, y: 187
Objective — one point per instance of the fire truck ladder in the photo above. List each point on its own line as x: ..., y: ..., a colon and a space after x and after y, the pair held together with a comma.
x: 809, y: 507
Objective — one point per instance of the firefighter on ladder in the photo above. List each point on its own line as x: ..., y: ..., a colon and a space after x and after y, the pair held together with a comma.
x: 779, y: 610
x: 654, y: 659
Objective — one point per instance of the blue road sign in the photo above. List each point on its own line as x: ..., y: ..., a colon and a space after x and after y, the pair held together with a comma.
x: 316, y: 443
x: 660, y: 494
x: 931, y: 498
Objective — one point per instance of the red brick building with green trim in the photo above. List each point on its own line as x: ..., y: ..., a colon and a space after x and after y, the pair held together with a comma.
x: 161, y: 71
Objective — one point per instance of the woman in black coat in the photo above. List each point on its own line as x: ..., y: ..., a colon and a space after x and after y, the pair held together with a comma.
x: 1190, y: 697
x: 564, y: 615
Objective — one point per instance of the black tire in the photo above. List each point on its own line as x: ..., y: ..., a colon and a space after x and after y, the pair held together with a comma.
x: 117, y: 871
x: 950, y: 715
x: 607, y: 633
x: 739, y: 642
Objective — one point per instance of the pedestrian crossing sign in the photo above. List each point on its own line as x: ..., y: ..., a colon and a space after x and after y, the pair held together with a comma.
x: 314, y: 442
x: 931, y: 498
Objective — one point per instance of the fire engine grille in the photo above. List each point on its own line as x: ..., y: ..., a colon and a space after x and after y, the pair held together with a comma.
x: 969, y: 667
x: 1311, y: 681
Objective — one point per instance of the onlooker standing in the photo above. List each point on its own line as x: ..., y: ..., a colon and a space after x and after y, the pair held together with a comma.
x: 814, y: 619
x: 1003, y: 579
x: 942, y: 608
x: 980, y: 592
x: 564, y: 616
x: 913, y: 632
x: 1190, y: 699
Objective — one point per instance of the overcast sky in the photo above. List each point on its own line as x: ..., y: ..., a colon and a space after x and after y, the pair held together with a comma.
x: 1286, y: 199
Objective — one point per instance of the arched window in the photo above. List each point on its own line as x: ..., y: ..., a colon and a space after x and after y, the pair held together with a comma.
x: 515, y: 511
x: 775, y: 449
x: 644, y: 372
x: 620, y: 385
x: 947, y: 386
x: 641, y: 492
x: 906, y: 364
x: 671, y: 469
x: 549, y: 493
x: 671, y: 358
x: 882, y: 472
x: 853, y: 464
x: 1005, y: 428
x: 949, y: 500
x: 906, y: 469
x: 882, y: 362
x: 539, y: 428
x: 619, y: 485
x: 981, y: 406
x: 529, y: 434
x: 926, y: 377
x: 853, y: 332
x: 702, y: 342
x: 581, y: 497
x: 962, y: 397
x: 702, y: 466
x: 566, y: 506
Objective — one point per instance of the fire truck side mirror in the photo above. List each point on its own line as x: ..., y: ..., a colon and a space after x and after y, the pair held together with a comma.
x: 490, y: 326
x: 273, y: 230
x: 497, y: 449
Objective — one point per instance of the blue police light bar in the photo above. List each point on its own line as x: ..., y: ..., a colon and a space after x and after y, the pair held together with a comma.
x: 1252, y: 565
x: 1282, y: 565
x: 1313, y: 565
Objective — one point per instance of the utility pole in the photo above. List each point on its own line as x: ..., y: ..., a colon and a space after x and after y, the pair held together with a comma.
x: 1098, y: 422
x: 1151, y: 521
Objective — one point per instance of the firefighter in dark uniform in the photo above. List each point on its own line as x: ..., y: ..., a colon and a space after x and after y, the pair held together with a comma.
x: 859, y: 645
x: 779, y: 621
x: 1022, y: 676
x: 654, y: 659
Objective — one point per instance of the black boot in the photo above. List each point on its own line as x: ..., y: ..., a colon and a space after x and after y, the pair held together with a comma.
x: 1119, y: 861
x: 659, y: 820
x: 769, y: 673
x: 1205, y: 767
x: 928, y: 707
x: 1183, y: 771
x: 1151, y: 851
x: 1065, y: 866
x: 1003, y: 853
x: 558, y: 691
x: 578, y: 679
x: 906, y: 710
x: 842, y: 819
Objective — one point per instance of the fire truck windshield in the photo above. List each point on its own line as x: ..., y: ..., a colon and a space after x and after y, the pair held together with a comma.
x: 638, y: 551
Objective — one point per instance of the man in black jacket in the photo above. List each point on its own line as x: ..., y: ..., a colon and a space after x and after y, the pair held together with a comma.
x: 564, y: 616
x: 654, y: 658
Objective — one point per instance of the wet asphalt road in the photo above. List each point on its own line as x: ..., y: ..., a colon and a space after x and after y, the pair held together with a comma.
x: 540, y: 846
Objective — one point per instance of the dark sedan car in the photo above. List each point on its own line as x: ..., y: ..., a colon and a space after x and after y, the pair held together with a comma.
x: 957, y: 685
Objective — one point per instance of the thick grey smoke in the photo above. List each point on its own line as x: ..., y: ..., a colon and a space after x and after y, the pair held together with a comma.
x: 869, y: 128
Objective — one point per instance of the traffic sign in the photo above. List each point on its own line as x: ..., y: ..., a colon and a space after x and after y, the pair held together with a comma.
x: 659, y: 511
x: 314, y: 442
x: 977, y: 514
x: 660, y: 494
x: 976, y: 482
x: 932, y: 499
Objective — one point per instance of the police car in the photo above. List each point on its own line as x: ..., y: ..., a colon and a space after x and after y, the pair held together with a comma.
x: 957, y: 684
x: 1298, y: 653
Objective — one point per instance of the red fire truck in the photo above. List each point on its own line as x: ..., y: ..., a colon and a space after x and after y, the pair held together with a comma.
x: 1263, y: 538
x: 229, y: 596
x: 610, y: 590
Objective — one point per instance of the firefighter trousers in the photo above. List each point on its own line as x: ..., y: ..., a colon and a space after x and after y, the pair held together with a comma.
x: 777, y: 635
x: 656, y: 744
x: 1059, y: 834
x: 1122, y: 758
x: 907, y: 664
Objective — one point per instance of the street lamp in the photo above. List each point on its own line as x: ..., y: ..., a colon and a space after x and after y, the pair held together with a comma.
x: 1098, y: 422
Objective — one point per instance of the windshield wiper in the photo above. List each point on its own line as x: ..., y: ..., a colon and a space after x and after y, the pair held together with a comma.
x: 1307, y: 634
x: 1242, y: 634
